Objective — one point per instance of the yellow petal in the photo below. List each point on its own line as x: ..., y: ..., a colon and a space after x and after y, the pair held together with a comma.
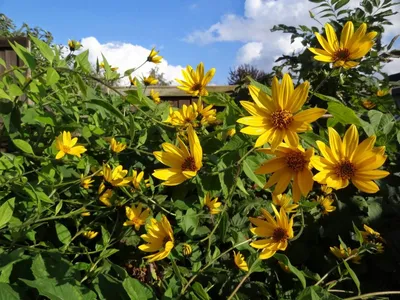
x: 366, y: 186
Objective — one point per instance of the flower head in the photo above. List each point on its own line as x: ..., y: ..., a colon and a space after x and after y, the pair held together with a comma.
x: 231, y: 132
x: 279, y: 118
x: 160, y: 239
x: 115, y: 177
x: 183, y: 162
x: 150, y: 80
x: 185, y: 116
x: 368, y: 104
x: 284, y: 201
x: 66, y: 145
x: 347, y: 161
x: 195, y: 82
x: 136, y: 215
x: 186, y: 249
x: 86, y: 182
x: 153, y: 57
x: 382, y: 93
x: 325, y: 205
x: 90, y: 234
x: 352, y: 45
x: 105, y: 197
x: 74, y: 45
x: 116, y: 146
x: 290, y: 163
x: 326, y: 190
x: 371, y: 236
x: 240, y: 262
x: 275, y: 232
x: 132, y: 80
x: 155, y: 96
x: 209, y: 115
x: 343, y: 253
x: 213, y: 205
x: 137, y: 179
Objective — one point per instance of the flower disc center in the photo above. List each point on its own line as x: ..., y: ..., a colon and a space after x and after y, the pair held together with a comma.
x: 280, y: 234
x: 296, y: 161
x: 345, y: 169
x: 341, y: 54
x: 189, y: 164
x: 281, y: 119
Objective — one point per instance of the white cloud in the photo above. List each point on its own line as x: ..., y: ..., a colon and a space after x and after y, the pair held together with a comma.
x: 126, y: 56
x: 252, y: 28
x: 392, y: 67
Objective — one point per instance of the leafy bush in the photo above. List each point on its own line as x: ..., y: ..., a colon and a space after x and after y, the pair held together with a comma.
x: 89, y: 211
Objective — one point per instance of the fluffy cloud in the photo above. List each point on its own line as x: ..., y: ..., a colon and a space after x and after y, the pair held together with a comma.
x: 252, y: 28
x: 126, y: 56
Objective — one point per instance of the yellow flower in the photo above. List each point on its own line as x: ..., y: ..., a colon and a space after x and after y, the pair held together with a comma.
x: 171, y: 116
x: 132, y: 80
x: 105, y: 197
x: 155, y: 96
x: 86, y: 182
x: 160, y: 239
x: 325, y: 205
x: 240, y: 262
x: 352, y: 45
x: 90, y: 234
x: 285, y: 202
x: 114, y: 68
x: 136, y: 216
x: 368, y: 104
x: 289, y: 163
x: 137, y: 179
x: 326, y: 190
x: 209, y: 115
x: 102, y: 66
x: 382, y: 93
x: 117, y: 147
x: 279, y: 118
x: 186, y: 249
x: 373, y: 237
x: 85, y: 213
x: 149, y: 81
x: 66, y: 145
x: 343, y: 253
x: 348, y: 160
x: 183, y: 163
x: 275, y: 232
x: 153, y: 57
x: 213, y: 205
x: 231, y: 132
x: 195, y: 82
x: 185, y: 116
x: 115, y: 177
x: 73, y: 45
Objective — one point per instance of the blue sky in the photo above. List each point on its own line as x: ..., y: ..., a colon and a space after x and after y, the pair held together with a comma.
x: 221, y: 33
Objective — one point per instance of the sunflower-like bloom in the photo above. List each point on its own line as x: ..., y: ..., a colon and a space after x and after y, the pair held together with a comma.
x: 209, y: 115
x: 74, y: 45
x: 66, y: 145
x: 195, y: 81
x: 105, y: 198
x: 137, y: 179
x: 153, y: 57
x: 213, y: 206
x: 160, y: 239
x: 85, y: 213
x: 185, y: 116
x: 326, y: 190
x: 343, y: 253
x: 86, y: 182
x: 90, y: 234
x: 275, y: 232
x: 240, y: 262
x: 352, y: 45
x: 155, y: 96
x: 102, y: 66
x: 368, y: 104
x: 371, y: 236
x: 150, y: 80
x: 289, y: 163
x: 183, y: 163
x: 136, y: 215
x: 382, y: 93
x: 284, y: 201
x: 115, y: 177
x: 116, y: 146
x: 231, y: 132
x: 279, y: 118
x: 347, y: 161
x: 186, y: 249
x: 325, y: 205
x: 132, y: 80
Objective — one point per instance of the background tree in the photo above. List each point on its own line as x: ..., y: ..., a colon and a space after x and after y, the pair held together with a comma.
x: 239, y: 74
x: 162, y: 81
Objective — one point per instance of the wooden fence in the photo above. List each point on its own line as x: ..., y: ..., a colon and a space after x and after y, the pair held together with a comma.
x: 7, y: 53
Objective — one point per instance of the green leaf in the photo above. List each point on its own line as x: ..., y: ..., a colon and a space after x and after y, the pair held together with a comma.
x: 316, y: 1
x: 2, y: 62
x: 343, y: 114
x: 39, y: 268
x: 393, y: 41
x: 83, y: 61
x: 189, y: 221
x: 326, y: 98
x: 6, y: 212
x: 353, y: 276
x: 316, y: 293
x: 63, y: 233
x: 54, y: 290
x: 24, y: 55
x: 136, y: 290
x: 249, y: 165
x: 14, y: 90
x: 52, y: 76
x: 23, y: 145
x: 262, y: 87
x: 44, y: 49
x: 7, y: 292
x: 283, y: 258
x: 341, y: 3
x: 200, y: 291
x: 109, y: 107
x: 3, y: 95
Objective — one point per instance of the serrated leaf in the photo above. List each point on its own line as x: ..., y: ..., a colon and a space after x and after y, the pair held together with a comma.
x: 83, y: 61
x: 44, y: 49
x: 343, y: 114
x: 52, y: 76
x: 7, y: 292
x: 136, y: 290
x: 6, y: 212
x: 23, y: 145
x: 54, y: 290
x: 248, y: 170
x: 200, y: 291
x: 63, y: 233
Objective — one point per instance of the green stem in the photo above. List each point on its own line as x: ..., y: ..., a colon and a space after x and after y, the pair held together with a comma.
x: 239, y: 285
x: 369, y: 295
x: 298, y: 235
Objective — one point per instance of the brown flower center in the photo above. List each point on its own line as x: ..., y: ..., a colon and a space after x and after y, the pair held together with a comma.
x: 296, y: 161
x: 345, y: 169
x: 66, y: 149
x: 341, y: 54
x: 166, y: 239
x: 189, y: 164
x: 281, y: 119
x: 280, y: 235
x: 197, y: 87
